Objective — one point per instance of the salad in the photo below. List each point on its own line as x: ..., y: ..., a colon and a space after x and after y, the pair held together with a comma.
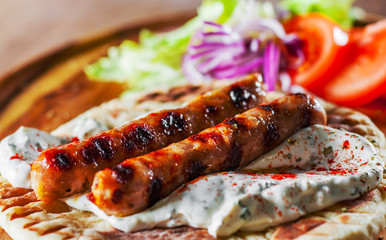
x: 311, y: 44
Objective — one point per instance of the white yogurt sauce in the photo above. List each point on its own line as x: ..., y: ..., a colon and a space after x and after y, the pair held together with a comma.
x: 81, y: 128
x: 313, y: 169
x: 20, y: 149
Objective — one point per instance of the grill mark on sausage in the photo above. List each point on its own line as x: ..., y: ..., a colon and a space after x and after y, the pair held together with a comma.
x: 267, y: 107
x: 195, y: 169
x: 63, y: 161
x: 233, y: 159
x: 139, y: 138
x: 239, y: 123
x: 240, y: 97
x: 122, y: 173
x: 173, y: 123
x: 60, y: 160
x: 100, y: 147
x: 231, y: 121
x: 154, y: 191
x: 88, y: 155
x: 104, y: 147
x: 117, y: 196
x: 271, y: 135
x: 302, y: 95
x: 210, y: 109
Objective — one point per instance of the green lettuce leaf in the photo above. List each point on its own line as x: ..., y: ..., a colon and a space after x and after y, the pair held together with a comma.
x: 338, y: 10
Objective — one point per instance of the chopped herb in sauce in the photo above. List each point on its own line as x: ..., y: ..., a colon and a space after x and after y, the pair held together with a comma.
x: 327, y: 151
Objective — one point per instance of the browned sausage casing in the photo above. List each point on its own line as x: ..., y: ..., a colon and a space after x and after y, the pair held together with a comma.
x: 67, y: 169
x: 137, y: 183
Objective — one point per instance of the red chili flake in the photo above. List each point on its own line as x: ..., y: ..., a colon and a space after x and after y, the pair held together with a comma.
x: 279, y: 213
x: 365, y: 163
x: 38, y: 134
x: 277, y: 177
x: 346, y: 144
x: 74, y: 139
x: 282, y: 176
x: 338, y: 172
x: 310, y: 173
x: 18, y: 156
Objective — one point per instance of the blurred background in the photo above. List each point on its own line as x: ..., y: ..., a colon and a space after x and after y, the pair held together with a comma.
x: 33, y: 28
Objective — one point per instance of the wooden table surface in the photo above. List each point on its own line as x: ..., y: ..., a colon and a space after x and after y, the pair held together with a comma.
x: 31, y: 28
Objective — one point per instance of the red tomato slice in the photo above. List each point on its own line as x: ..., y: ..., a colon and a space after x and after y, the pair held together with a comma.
x: 323, y: 47
x: 364, y: 78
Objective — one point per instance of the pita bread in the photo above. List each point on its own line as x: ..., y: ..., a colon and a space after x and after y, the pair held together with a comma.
x: 22, y: 216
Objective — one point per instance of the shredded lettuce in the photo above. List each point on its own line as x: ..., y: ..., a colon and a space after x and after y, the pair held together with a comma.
x: 156, y: 58
x: 338, y: 10
x: 153, y: 61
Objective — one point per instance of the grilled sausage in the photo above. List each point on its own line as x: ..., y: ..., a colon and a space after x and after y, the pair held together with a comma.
x: 64, y: 170
x: 137, y: 183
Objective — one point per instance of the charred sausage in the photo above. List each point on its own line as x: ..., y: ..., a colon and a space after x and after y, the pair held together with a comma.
x: 137, y: 183
x: 64, y: 170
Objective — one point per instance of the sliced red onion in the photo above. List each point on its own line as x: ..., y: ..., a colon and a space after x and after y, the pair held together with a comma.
x: 240, y: 70
x: 219, y: 52
x: 271, y: 65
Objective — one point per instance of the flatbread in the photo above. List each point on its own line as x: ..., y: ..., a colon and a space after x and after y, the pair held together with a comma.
x: 22, y: 216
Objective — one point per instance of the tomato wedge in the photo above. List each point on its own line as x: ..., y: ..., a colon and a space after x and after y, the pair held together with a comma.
x: 323, y: 45
x: 364, y: 78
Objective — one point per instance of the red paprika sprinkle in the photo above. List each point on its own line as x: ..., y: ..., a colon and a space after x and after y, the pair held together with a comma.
x: 17, y: 156
x: 346, y: 144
